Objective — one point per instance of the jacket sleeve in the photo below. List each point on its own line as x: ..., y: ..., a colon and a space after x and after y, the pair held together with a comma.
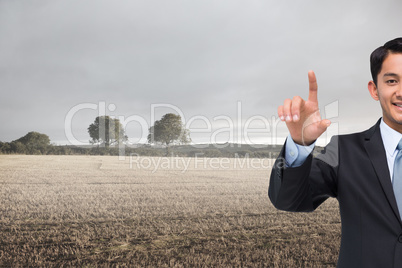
x: 305, y: 187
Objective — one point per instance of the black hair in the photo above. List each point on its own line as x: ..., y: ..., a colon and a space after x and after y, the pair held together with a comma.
x: 378, y: 56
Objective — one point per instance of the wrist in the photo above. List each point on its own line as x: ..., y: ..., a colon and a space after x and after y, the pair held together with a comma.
x: 303, y: 142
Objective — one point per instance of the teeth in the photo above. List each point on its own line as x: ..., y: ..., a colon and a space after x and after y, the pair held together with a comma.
x: 399, y: 105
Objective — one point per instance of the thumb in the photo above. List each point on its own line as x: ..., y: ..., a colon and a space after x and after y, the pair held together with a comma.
x: 323, y: 125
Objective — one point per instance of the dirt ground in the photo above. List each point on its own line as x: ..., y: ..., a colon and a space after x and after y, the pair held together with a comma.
x: 102, y: 211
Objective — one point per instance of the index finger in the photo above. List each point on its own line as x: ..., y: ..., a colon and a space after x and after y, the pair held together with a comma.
x: 312, y: 81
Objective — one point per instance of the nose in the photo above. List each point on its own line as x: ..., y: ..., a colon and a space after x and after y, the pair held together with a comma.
x: 399, y: 92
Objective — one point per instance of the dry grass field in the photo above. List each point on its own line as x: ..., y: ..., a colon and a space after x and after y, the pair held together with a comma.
x: 99, y: 211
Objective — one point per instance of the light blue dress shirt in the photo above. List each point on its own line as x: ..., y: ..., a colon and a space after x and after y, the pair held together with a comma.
x: 390, y: 138
x: 295, y: 154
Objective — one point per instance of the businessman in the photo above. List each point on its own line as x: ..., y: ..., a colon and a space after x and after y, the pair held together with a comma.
x: 363, y: 171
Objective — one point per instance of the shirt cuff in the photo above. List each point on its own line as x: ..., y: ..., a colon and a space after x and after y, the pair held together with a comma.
x: 296, y: 154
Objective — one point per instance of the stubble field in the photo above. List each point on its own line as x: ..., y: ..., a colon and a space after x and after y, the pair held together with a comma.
x: 99, y: 211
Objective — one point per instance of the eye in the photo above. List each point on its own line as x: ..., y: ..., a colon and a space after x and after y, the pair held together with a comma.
x: 391, y: 81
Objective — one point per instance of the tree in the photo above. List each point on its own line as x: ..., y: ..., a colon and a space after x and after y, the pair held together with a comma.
x: 107, y: 131
x: 34, y: 142
x: 19, y: 148
x: 4, y: 147
x: 169, y: 130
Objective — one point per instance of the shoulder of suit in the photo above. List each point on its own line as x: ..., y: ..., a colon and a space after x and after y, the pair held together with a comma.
x: 359, y: 136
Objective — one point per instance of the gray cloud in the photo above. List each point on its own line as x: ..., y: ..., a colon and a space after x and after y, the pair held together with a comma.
x: 201, y: 56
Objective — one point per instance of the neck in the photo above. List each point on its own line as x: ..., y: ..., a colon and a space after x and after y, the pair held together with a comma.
x: 397, y: 126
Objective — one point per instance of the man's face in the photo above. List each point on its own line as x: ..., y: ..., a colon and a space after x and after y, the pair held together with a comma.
x: 389, y: 91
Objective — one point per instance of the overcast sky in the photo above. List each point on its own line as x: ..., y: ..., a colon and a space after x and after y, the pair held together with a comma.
x: 225, y: 62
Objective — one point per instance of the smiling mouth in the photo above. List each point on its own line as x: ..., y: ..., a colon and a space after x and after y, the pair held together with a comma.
x: 399, y: 105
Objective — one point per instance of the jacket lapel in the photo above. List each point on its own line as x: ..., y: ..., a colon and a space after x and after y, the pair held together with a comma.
x: 376, y: 152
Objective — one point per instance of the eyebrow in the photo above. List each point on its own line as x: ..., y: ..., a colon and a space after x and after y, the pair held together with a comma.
x: 391, y: 74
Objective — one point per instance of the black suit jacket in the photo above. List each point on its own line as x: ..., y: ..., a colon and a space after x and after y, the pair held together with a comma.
x: 353, y: 169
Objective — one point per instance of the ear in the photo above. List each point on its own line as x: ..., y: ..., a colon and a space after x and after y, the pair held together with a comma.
x: 373, y: 90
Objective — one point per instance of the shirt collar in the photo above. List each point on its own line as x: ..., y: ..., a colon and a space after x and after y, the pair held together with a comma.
x: 390, y: 138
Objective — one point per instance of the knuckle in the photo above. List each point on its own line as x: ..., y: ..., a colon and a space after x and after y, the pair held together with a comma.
x: 287, y: 103
x: 297, y: 98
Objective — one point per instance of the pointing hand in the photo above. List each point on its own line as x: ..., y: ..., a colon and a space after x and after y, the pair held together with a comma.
x: 303, y: 117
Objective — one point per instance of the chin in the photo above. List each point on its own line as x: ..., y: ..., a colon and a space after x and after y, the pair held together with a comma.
x: 397, y: 121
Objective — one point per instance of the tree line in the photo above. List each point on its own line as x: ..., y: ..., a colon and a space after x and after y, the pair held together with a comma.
x: 107, y: 134
x: 31, y: 143
x: 35, y: 143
